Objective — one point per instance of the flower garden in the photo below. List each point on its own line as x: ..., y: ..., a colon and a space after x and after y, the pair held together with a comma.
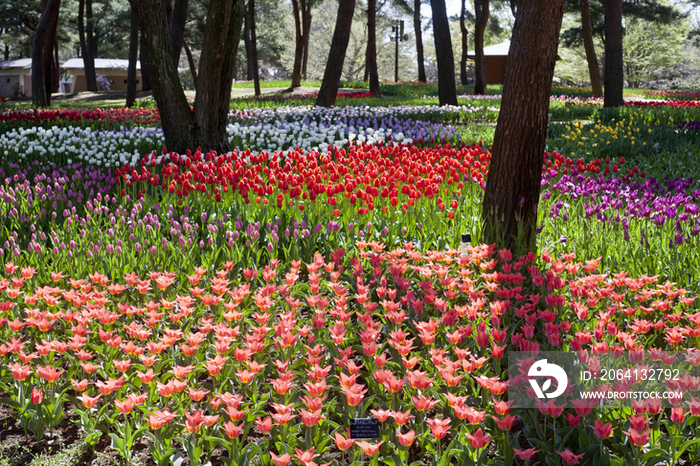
x: 246, y: 308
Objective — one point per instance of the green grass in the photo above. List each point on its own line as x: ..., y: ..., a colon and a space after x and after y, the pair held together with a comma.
x: 67, y: 456
x: 477, y: 132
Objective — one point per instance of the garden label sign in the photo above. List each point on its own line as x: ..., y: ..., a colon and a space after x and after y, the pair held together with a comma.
x: 364, y: 428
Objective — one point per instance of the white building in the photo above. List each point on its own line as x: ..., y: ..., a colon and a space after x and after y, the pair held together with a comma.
x: 16, y: 77
x: 114, y: 69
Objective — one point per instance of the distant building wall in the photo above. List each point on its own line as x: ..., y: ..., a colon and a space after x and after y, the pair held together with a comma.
x: 9, y: 84
x: 495, y: 69
x: 117, y: 79
x: 27, y: 85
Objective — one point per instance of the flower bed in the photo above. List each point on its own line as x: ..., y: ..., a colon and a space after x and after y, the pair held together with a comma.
x: 260, y: 130
x: 274, y: 363
x: 79, y: 117
x: 676, y: 103
x: 673, y: 95
x: 240, y: 306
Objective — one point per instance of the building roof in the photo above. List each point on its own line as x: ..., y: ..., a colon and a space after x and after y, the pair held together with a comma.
x: 25, y: 63
x: 498, y: 50
x: 101, y: 64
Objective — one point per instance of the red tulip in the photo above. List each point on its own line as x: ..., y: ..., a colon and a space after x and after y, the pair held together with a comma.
x: 478, y: 440
x: 19, y: 371
x: 406, y: 439
x: 125, y: 406
x: 506, y: 423
x: 569, y: 457
x: 305, y: 457
x: 602, y: 431
x: 368, y: 448
x: 263, y: 424
x: 525, y: 455
x: 439, y: 427
x: 37, y: 396
x: 677, y: 415
x: 232, y: 430
x: 281, y: 460
x: 638, y: 438
x: 343, y: 443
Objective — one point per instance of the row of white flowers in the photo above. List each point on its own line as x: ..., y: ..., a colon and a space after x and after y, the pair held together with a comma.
x: 268, y: 130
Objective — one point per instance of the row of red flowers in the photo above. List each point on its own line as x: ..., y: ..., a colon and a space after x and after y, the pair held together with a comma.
x: 361, y: 174
x: 109, y: 116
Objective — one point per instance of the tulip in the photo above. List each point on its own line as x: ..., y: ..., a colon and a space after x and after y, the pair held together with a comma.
x: 602, y: 431
x: 381, y: 414
x: 368, y: 448
x: 310, y: 419
x: 439, y: 427
x: 37, y: 396
x: 343, y: 443
x: 20, y: 372
x: 125, y: 406
x: 49, y: 373
x: 638, y: 438
x: 158, y: 419
x: 305, y: 457
x: 525, y: 455
x: 677, y: 415
x: 506, y: 423
x: 406, y: 439
x: 478, y: 440
x: 232, y: 430
x: 281, y: 460
x: 88, y: 401
x: 263, y: 424
x: 569, y: 457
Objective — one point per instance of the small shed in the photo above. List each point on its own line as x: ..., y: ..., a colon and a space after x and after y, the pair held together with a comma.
x: 495, y: 58
x: 114, y: 69
x: 16, y: 77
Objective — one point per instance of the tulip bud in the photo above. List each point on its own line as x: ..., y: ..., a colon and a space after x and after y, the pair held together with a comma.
x: 37, y: 396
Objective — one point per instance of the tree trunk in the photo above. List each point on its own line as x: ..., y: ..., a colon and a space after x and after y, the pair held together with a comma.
x: 6, y: 53
x: 512, y: 192
x: 177, y: 120
x: 482, y: 20
x: 88, y: 65
x: 205, y: 126
x: 42, y: 47
x: 177, y: 29
x: 51, y: 64
x: 219, y: 46
x: 371, y: 60
x: 253, y: 47
x: 396, y: 52
x: 465, y: 46
x: 447, y: 91
x: 55, y: 81
x: 133, y: 58
x: 193, y: 67
x: 336, y: 57
x: 419, y: 40
x: 614, y: 77
x: 143, y: 59
x: 298, y: 7
x: 593, y: 70
x: 89, y: 52
x: 307, y: 35
x: 248, y: 50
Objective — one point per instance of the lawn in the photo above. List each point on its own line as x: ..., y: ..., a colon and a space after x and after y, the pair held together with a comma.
x: 249, y: 307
